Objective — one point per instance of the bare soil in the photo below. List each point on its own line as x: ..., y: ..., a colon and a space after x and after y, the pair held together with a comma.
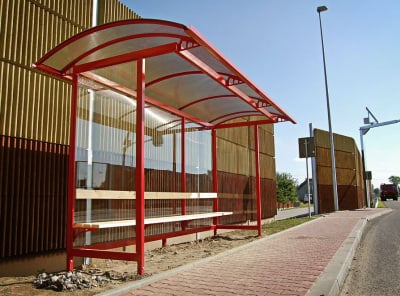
x: 156, y: 261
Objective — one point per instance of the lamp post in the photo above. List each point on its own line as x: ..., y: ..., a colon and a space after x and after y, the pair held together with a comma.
x: 334, y: 183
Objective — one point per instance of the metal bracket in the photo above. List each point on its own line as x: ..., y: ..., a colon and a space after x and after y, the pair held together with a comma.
x: 262, y: 104
x: 185, y: 44
x: 233, y: 80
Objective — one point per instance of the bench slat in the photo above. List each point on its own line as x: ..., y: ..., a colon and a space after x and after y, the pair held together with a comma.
x: 147, y: 221
x: 115, y: 194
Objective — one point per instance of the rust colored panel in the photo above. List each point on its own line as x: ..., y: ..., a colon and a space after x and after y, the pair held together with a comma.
x: 237, y: 194
x: 32, y: 196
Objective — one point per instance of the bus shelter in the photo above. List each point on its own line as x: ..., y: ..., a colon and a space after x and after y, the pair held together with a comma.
x: 146, y: 96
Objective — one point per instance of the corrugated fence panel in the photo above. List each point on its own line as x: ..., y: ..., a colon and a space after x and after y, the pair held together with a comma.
x: 30, y: 29
x: 349, y: 172
x: 113, y: 10
x: 267, y: 142
x: 35, y: 106
x: 32, y: 196
x: 267, y: 167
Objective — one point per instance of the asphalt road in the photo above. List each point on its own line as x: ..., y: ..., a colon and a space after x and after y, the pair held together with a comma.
x: 375, y: 269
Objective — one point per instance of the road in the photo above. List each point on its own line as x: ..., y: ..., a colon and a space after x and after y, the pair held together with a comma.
x: 375, y: 269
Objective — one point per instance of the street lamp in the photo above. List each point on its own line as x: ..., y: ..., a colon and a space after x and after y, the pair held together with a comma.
x: 334, y: 183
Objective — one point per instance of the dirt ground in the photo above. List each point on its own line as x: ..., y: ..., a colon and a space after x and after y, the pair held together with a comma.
x: 156, y: 261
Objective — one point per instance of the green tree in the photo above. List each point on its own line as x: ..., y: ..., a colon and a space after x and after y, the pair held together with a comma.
x: 394, y: 179
x: 377, y: 191
x: 286, y: 187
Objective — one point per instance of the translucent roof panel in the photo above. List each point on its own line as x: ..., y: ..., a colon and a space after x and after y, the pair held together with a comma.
x: 185, y: 74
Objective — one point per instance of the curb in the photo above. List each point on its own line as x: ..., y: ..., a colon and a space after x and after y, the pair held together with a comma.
x: 332, y: 278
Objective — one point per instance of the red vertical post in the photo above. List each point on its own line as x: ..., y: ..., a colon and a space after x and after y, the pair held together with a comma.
x: 183, y: 156
x: 258, y: 180
x: 141, y: 78
x: 183, y: 168
x: 71, y: 173
x: 214, y: 173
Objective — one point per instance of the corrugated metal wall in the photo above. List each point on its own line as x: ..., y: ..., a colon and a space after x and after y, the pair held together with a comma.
x: 236, y: 172
x: 34, y: 120
x: 33, y: 196
x: 35, y: 106
x: 349, y: 172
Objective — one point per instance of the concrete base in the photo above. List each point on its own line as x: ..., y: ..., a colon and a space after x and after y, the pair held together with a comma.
x: 51, y: 262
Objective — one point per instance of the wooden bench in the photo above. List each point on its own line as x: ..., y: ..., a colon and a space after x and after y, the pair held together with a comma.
x: 148, y: 221
x: 113, y: 194
x: 118, y: 195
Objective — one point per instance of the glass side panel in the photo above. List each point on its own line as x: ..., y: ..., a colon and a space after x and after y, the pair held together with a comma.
x: 198, y: 159
x: 106, y: 145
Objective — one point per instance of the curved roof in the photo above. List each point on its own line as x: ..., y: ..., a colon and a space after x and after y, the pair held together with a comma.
x: 185, y: 74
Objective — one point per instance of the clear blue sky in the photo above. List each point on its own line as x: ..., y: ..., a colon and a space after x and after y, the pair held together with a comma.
x: 277, y: 44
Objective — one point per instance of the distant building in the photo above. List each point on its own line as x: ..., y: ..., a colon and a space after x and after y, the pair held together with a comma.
x: 302, y: 189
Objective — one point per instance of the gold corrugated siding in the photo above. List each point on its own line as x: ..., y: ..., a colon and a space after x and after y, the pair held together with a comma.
x: 266, y: 140
x: 36, y: 106
x: 349, y: 172
x: 341, y: 143
x: 29, y: 29
x: 267, y: 167
x: 113, y: 10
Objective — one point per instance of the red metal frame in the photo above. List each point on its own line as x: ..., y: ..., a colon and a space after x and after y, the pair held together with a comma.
x: 186, y: 39
x: 222, y: 81
x: 150, y: 238
x: 114, y: 41
x: 127, y: 57
x: 104, y: 27
x: 215, y: 174
x: 219, y: 56
x: 141, y: 80
x: 183, y: 46
x: 258, y: 178
x: 183, y: 169
x: 71, y: 174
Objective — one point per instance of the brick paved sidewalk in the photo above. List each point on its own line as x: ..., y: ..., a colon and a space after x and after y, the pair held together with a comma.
x: 287, y: 263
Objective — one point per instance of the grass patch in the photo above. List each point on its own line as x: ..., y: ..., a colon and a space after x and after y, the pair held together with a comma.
x: 305, y: 205
x: 381, y: 204
x: 278, y: 226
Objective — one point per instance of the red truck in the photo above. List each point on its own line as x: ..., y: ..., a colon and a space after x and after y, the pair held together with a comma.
x: 389, y: 191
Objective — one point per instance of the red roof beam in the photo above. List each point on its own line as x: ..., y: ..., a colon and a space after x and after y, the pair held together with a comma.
x: 192, y: 32
x: 127, y: 57
x: 221, y: 80
x: 115, y: 41
x: 234, y: 115
x: 241, y: 124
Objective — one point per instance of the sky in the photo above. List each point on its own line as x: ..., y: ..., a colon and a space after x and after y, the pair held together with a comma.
x: 277, y: 44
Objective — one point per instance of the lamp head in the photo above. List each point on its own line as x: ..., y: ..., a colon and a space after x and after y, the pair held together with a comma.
x: 321, y: 8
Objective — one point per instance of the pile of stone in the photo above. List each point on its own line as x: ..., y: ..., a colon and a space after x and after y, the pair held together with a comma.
x: 77, y: 280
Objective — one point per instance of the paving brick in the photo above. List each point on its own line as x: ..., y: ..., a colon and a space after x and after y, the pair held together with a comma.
x: 279, y: 265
